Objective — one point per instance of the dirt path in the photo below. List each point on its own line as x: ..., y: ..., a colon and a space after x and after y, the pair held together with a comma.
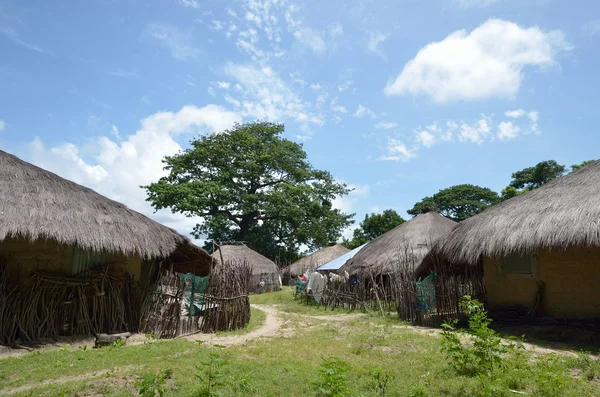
x: 270, y: 328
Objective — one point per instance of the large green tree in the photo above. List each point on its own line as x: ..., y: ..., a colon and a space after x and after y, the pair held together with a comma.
x: 534, y: 177
x: 250, y: 184
x: 457, y: 202
x: 373, y: 226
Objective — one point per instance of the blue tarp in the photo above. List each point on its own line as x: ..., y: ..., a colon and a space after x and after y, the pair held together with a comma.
x: 338, y: 262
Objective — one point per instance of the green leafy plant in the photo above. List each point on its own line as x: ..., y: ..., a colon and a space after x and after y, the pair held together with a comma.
x: 211, y: 375
x: 482, y: 354
x: 65, y: 348
x: 379, y: 381
x: 153, y: 384
x: 550, y: 376
x: 118, y: 343
x: 333, y: 378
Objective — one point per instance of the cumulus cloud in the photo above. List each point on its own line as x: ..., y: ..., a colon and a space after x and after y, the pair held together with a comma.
x: 264, y: 95
x: 363, y: 111
x: 508, y: 130
x: 533, y: 117
x: 375, y: 39
x: 397, y: 151
x: 487, y: 62
x: 386, y: 125
x: 311, y: 39
x: 116, y: 169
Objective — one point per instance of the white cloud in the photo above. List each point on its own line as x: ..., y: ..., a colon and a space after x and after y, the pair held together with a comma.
x: 117, y: 169
x: 363, y: 111
x: 2, y: 125
x: 211, y: 91
x: 375, y: 39
x: 175, y: 41
x: 487, y: 62
x: 591, y: 28
x: 345, y: 85
x: 189, y: 3
x: 475, y: 3
x: 264, y: 95
x: 347, y: 204
x: 223, y: 84
x: 477, y: 132
x: 507, y: 130
x: 336, y: 29
x: 425, y: 138
x: 115, y: 131
x: 515, y: 113
x: 315, y: 87
x: 386, y: 125
x: 309, y: 38
x: 533, y: 117
x: 397, y: 151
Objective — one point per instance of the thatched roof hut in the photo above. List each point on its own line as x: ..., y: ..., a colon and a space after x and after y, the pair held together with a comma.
x: 263, y: 269
x: 36, y: 204
x: 316, y: 259
x: 405, y: 245
x: 562, y: 213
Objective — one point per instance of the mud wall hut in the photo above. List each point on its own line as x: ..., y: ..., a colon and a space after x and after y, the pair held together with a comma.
x: 56, y: 232
x: 541, y: 249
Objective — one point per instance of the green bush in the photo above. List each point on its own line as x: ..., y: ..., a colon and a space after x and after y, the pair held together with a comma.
x: 211, y: 375
x: 483, y: 353
x: 333, y: 378
x: 153, y: 384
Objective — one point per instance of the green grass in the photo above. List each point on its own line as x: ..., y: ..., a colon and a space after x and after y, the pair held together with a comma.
x: 282, y: 366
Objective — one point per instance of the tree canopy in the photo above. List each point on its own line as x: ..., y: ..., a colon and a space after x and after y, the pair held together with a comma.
x: 534, y: 177
x: 457, y: 202
x: 575, y: 167
x: 250, y: 184
x: 373, y: 226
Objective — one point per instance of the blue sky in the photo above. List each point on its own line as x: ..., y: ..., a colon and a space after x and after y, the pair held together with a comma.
x: 396, y: 98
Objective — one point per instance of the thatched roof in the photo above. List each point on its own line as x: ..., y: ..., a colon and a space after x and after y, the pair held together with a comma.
x: 37, y: 204
x: 564, y: 212
x: 405, y: 245
x: 241, y: 253
x: 316, y: 259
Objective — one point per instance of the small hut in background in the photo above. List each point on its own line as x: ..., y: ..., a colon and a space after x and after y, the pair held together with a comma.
x: 385, y: 271
x: 265, y: 275
x: 314, y: 260
x: 403, y: 247
x: 540, y: 250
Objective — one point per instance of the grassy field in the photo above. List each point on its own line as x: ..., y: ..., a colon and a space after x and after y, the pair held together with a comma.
x: 379, y: 352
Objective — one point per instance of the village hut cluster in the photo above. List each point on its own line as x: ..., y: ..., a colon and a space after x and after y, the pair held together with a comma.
x: 533, y: 257
x: 73, y: 262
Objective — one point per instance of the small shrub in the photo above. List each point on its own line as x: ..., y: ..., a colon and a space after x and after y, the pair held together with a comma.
x: 484, y: 354
x: 211, y: 375
x: 333, y: 378
x: 153, y: 384
x: 118, y: 343
x: 379, y: 381
x: 65, y: 348
x: 418, y: 391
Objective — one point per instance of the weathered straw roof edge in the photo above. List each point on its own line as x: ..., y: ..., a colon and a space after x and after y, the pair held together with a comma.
x: 564, y: 212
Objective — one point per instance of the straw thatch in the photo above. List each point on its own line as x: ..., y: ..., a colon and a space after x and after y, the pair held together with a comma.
x: 562, y: 213
x: 37, y: 204
x: 316, y: 259
x: 242, y: 254
x: 406, y: 244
